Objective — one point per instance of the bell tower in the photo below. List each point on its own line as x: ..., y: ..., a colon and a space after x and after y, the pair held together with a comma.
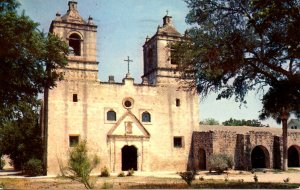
x: 80, y: 35
x: 159, y: 68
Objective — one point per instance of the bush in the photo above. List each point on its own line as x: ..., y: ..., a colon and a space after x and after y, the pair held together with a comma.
x: 188, y: 176
x: 80, y: 165
x: 130, y: 172
x: 286, y: 180
x: 220, y: 162
x: 33, y: 167
x: 121, y: 174
x: 104, y: 172
x: 255, y: 178
x: 2, y: 163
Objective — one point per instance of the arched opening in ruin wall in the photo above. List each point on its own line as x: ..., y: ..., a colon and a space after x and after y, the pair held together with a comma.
x: 260, y: 157
x: 294, y: 156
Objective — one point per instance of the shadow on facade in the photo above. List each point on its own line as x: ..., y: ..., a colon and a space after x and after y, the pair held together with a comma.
x: 277, y: 153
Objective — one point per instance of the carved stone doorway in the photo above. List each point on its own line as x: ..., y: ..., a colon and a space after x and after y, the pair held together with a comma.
x: 129, y: 158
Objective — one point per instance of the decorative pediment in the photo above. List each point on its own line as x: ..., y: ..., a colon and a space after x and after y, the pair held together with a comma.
x: 128, y: 126
x: 72, y: 14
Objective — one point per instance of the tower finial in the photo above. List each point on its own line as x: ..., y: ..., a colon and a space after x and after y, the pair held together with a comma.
x: 167, y: 12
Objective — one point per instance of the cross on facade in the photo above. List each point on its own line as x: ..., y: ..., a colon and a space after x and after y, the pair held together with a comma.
x: 128, y: 61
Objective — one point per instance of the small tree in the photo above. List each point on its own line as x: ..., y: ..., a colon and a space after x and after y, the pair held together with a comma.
x: 236, y: 122
x: 188, y: 176
x: 2, y: 163
x: 209, y: 121
x: 220, y: 162
x: 80, y: 165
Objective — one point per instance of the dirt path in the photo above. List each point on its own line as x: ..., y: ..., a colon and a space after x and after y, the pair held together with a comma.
x: 20, y: 182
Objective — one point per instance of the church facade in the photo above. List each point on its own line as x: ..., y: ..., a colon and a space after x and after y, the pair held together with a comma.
x: 152, y: 126
x: 147, y: 126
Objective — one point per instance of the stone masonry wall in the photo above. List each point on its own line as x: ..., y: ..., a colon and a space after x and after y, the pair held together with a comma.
x: 239, y: 144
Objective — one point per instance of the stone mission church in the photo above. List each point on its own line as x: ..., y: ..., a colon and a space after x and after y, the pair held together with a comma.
x: 152, y: 126
x: 147, y: 127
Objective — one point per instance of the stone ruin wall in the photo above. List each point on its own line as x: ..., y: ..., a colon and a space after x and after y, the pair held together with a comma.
x: 239, y: 144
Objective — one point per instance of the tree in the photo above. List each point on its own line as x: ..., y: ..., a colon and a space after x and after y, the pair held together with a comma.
x: 243, y: 122
x: 209, y: 121
x: 20, y: 138
x: 237, y: 46
x: 29, y: 60
x: 29, y: 64
x: 80, y: 165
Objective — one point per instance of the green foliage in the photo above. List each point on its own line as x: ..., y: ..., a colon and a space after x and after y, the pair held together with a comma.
x: 104, y: 172
x: 188, y: 176
x: 234, y: 47
x: 20, y: 138
x: 2, y: 163
x: 80, y: 165
x: 33, y: 167
x: 220, y: 162
x: 29, y: 60
x: 236, y: 122
x: 276, y: 103
x: 29, y: 63
x: 121, y: 174
x: 130, y: 172
x: 209, y: 121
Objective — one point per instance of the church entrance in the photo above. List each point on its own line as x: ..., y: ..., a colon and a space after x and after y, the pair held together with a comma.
x: 293, y: 156
x: 260, y: 157
x: 202, y: 159
x: 129, y: 158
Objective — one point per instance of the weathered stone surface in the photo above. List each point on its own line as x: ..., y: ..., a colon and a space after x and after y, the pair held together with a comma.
x: 239, y: 142
x: 87, y: 116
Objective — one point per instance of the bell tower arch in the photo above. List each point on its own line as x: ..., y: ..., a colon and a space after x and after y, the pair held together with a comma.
x: 80, y: 35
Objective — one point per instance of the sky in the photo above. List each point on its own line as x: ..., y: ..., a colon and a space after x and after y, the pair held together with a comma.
x: 123, y: 26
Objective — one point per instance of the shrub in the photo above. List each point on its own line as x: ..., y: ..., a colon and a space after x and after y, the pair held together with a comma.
x: 33, y: 167
x: 255, y: 178
x: 80, y: 165
x: 220, y: 162
x: 188, y: 176
x: 121, y: 174
x: 130, y: 172
x: 201, y: 178
x: 226, y: 179
x: 2, y: 163
x: 286, y: 180
x: 104, y: 172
